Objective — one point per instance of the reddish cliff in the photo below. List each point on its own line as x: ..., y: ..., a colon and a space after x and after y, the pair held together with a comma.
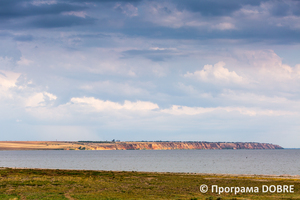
x: 92, y: 145
x: 180, y: 145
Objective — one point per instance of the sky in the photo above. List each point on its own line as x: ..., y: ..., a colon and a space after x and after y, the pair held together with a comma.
x: 132, y: 70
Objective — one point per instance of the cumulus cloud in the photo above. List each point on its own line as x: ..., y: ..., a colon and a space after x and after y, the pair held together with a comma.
x: 216, y: 74
x: 39, y: 99
x: 90, y: 110
x: 94, y: 109
x: 266, y: 71
x: 8, y: 79
x: 270, y: 64
x: 35, y: 100
x: 16, y: 92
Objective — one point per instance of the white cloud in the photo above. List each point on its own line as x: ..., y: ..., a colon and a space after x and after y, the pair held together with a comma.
x: 76, y: 13
x: 185, y: 110
x: 35, y: 100
x: 269, y: 64
x: 114, y: 88
x: 217, y: 73
x: 127, y: 9
x: 18, y: 93
x: 266, y: 71
x: 50, y: 96
x: 168, y: 15
x: 259, y: 100
x: 297, y: 71
x: 8, y: 79
x: 41, y: 2
x: 24, y: 61
x: 91, y: 110
x: 100, y: 105
x: 38, y: 99
x: 224, y: 26
x: 162, y: 49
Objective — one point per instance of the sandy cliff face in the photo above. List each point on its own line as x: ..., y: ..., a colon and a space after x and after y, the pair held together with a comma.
x: 58, y: 145
x: 182, y: 145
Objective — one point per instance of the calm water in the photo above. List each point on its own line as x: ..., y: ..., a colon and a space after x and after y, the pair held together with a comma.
x: 199, y: 161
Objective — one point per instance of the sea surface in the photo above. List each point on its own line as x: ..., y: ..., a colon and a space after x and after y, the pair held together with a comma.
x: 271, y: 162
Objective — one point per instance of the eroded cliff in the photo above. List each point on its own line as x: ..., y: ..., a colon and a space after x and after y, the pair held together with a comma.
x: 181, y: 145
x: 59, y: 145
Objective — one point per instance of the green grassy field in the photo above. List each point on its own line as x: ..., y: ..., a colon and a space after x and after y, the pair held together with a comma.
x: 82, y: 184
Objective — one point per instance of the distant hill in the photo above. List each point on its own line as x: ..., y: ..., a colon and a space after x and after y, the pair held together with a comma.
x: 144, y: 145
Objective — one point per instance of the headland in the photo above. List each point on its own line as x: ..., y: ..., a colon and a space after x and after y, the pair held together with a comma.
x: 118, y: 145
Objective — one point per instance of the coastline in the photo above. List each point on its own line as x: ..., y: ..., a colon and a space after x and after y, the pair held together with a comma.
x: 285, y: 176
x: 144, y: 145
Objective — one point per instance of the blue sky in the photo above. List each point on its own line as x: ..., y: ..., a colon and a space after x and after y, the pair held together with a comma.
x: 150, y: 70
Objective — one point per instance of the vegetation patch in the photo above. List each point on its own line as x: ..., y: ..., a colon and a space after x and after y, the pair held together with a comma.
x: 111, y: 185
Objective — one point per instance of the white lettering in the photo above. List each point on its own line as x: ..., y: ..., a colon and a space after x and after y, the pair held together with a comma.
x: 221, y: 190
x: 285, y: 188
x: 291, y: 188
x: 265, y: 188
x: 236, y: 190
x: 249, y: 189
x: 214, y: 186
x: 243, y: 190
x: 227, y: 189
x: 231, y: 189
x: 279, y: 188
x: 274, y: 188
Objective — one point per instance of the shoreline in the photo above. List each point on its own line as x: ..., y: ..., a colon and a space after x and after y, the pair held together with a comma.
x: 175, y: 173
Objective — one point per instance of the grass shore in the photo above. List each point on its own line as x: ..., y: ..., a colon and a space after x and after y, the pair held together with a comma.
x: 87, y: 184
